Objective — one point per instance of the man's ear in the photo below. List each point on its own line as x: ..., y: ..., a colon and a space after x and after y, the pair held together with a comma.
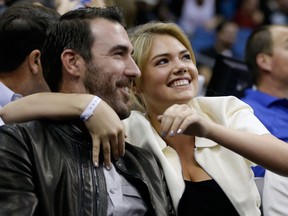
x: 72, y: 62
x: 34, y: 61
x: 264, y: 61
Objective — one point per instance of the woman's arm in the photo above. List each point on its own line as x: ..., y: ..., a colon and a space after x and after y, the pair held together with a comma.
x: 265, y: 150
x: 104, y: 125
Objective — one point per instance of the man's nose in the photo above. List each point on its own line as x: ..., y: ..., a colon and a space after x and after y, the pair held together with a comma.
x: 132, y: 68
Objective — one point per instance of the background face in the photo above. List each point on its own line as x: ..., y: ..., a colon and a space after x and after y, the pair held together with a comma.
x: 279, y: 58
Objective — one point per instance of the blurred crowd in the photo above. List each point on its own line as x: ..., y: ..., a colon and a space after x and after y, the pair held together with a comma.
x: 213, y: 26
x: 190, y: 14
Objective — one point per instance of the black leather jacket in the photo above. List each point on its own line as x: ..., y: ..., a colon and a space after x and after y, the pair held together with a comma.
x: 46, y: 169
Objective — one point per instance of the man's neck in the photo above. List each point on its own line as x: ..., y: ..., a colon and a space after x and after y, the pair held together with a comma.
x: 274, y: 91
x: 13, y: 80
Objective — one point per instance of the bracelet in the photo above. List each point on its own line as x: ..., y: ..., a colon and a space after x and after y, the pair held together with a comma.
x: 88, y: 112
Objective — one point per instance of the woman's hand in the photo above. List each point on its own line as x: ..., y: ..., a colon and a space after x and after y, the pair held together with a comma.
x: 179, y: 119
x: 104, y: 125
x: 107, y: 132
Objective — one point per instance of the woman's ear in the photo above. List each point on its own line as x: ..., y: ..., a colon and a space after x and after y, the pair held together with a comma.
x: 264, y: 61
x: 72, y: 62
x: 35, y: 62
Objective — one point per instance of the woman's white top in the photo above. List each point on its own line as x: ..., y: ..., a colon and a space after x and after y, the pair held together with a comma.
x: 231, y: 171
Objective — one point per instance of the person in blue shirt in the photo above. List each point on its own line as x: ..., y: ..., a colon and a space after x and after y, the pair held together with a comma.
x: 266, y: 56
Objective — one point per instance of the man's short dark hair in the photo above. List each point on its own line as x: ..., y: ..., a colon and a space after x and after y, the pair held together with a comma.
x: 22, y: 30
x: 72, y: 31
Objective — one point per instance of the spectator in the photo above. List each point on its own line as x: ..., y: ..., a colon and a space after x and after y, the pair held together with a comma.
x: 249, y: 14
x: 225, y: 38
x: 279, y: 12
x: 63, y: 6
x: 197, y: 13
x: 266, y: 57
x: 2, y: 6
x: 226, y: 8
x: 22, y: 34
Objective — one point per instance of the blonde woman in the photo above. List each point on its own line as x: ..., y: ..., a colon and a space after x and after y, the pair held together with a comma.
x: 193, y: 136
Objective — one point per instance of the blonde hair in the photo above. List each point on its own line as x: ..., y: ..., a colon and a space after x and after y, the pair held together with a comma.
x: 142, y: 38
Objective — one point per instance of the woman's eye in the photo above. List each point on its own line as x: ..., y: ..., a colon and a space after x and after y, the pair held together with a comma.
x: 162, y: 61
x: 187, y: 56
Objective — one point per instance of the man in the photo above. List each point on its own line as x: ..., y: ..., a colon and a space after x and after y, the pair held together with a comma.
x: 22, y: 33
x: 225, y: 38
x: 267, y: 59
x: 46, y: 167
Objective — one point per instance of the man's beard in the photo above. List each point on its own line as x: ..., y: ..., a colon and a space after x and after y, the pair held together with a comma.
x: 97, y: 83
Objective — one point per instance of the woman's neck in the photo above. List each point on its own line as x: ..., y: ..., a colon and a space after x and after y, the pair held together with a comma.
x: 156, y: 124
x: 184, y: 145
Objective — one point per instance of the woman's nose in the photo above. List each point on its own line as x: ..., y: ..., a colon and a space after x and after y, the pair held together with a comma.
x: 180, y: 67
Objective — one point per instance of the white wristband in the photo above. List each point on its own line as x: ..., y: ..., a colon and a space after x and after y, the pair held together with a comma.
x: 88, y: 112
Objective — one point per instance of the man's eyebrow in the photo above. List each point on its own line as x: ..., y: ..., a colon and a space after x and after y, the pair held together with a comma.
x: 119, y: 47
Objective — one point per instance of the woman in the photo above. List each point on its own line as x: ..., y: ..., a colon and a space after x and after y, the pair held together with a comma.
x: 192, y: 137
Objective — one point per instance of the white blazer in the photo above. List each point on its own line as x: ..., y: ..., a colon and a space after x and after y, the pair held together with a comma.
x: 231, y: 171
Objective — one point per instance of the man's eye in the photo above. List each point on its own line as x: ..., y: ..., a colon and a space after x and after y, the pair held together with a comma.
x: 119, y: 53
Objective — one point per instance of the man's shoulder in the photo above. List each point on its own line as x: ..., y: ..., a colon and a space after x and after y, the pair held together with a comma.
x: 22, y: 125
x: 22, y: 139
x: 134, y: 148
x: 27, y: 129
x: 141, y: 154
x: 136, y: 159
x: 250, y: 93
x: 257, y: 98
x: 21, y: 131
